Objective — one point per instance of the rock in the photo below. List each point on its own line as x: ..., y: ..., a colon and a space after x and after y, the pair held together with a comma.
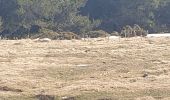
x: 45, y: 40
x: 68, y: 98
x: 42, y: 40
x: 145, y: 75
x: 45, y: 97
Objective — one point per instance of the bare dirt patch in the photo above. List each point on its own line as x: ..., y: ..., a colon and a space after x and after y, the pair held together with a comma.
x: 5, y: 88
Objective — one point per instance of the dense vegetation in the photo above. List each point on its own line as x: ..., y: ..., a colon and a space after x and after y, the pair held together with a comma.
x: 20, y: 18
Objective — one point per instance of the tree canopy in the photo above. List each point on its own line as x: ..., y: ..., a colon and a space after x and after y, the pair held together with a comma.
x: 19, y: 18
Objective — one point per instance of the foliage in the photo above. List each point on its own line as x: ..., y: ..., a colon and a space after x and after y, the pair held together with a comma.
x: 67, y: 36
x: 97, y: 33
x: 46, y: 33
x: 116, y: 14
x: 20, y: 18
x: 56, y: 15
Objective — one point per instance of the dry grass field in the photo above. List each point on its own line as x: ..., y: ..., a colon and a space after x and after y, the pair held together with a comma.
x: 120, y: 69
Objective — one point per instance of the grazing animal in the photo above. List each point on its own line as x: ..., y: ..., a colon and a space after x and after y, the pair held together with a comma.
x: 128, y: 31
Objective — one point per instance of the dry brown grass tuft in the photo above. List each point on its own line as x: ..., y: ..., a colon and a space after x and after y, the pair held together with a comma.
x: 86, y: 70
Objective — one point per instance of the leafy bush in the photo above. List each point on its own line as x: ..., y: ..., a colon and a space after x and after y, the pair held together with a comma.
x: 46, y: 33
x: 96, y: 34
x: 68, y: 36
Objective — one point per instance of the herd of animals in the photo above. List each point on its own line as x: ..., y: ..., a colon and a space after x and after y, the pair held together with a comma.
x: 136, y: 30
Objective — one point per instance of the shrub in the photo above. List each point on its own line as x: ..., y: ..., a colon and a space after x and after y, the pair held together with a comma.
x: 68, y: 36
x: 45, y: 33
x: 98, y: 33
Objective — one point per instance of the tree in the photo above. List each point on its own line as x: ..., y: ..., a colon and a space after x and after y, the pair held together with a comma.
x: 57, y: 15
x: 118, y: 13
x: 22, y: 17
x: 8, y: 9
x: 162, y: 16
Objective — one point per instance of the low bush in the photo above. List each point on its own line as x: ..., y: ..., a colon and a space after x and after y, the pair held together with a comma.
x: 67, y: 36
x: 45, y: 33
x: 96, y: 34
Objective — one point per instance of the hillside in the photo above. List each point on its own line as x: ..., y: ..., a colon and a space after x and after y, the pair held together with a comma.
x: 125, y: 69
